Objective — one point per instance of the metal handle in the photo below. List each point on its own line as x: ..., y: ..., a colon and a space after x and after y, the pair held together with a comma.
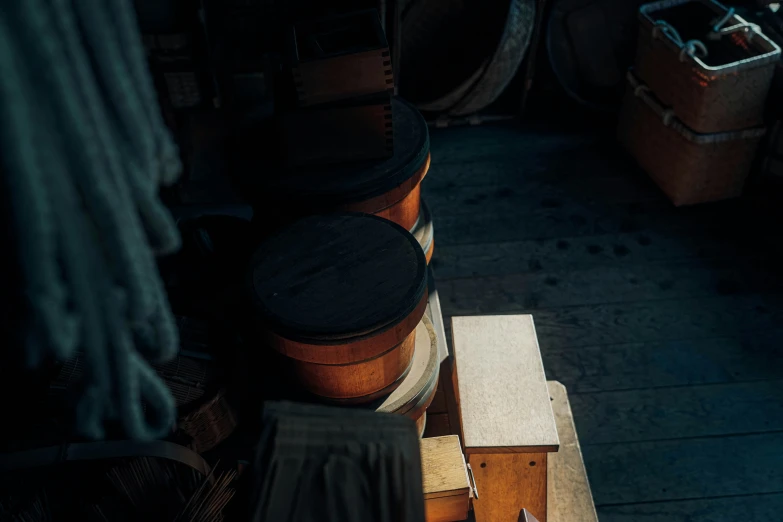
x: 473, y: 482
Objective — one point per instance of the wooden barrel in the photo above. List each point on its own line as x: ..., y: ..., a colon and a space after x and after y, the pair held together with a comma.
x: 414, y: 395
x: 339, y: 295
x: 389, y: 188
x: 591, y: 44
x: 490, y: 39
x: 424, y: 231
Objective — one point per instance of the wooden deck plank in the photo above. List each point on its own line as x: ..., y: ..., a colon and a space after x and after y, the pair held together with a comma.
x: 516, y: 205
x: 465, y: 199
x: 755, y: 508
x: 569, y: 497
x: 685, y: 469
x: 647, y: 321
x: 503, y: 143
x: 753, y: 356
x: 628, y: 283
x: 680, y: 412
x: 487, y: 226
x: 607, y: 251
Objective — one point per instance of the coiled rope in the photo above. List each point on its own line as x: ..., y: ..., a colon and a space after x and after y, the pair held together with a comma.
x: 83, y: 152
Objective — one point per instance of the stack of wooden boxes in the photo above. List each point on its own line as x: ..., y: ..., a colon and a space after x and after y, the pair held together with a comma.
x: 694, y: 106
x: 342, y: 73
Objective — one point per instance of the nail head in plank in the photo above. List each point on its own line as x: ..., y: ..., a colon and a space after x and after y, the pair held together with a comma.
x: 502, y: 391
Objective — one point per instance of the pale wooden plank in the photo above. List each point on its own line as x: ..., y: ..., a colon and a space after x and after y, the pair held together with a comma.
x: 754, y: 356
x: 435, y: 313
x: 569, y: 497
x: 653, y: 281
x: 649, y: 321
x: 572, y: 253
x: 752, y: 508
x: 681, y: 412
x: 690, y: 468
x: 503, y: 398
x: 444, y: 479
x: 443, y: 467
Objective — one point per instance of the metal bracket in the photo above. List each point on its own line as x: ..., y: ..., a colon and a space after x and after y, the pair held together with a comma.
x: 473, y: 482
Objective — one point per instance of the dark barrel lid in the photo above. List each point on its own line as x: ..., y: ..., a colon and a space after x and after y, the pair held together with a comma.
x: 357, y: 181
x: 336, y: 277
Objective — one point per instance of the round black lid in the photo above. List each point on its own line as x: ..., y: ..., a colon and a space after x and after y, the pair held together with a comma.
x: 337, y: 276
x: 357, y: 181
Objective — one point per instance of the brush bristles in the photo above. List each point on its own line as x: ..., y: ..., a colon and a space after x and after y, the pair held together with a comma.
x: 35, y: 511
x: 143, y: 481
x: 208, y: 502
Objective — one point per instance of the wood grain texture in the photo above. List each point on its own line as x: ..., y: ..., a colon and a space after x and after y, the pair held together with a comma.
x: 360, y: 380
x: 539, y: 193
x: 652, y: 281
x: 417, y: 390
x: 533, y: 199
x: 436, y: 315
x: 443, y: 467
x: 502, y: 394
x: 584, y: 220
x: 345, y: 183
x: 758, y: 508
x: 446, y: 509
x: 680, y: 412
x: 577, y: 253
x: 508, y: 483
x: 685, y: 469
x: 569, y: 497
x: 325, y: 52
x: 323, y: 81
x: 325, y: 135
x: 438, y: 425
x: 752, y: 356
x: 439, y: 400
x: 400, y: 204
x: 349, y: 350
x: 337, y: 276
x: 649, y: 321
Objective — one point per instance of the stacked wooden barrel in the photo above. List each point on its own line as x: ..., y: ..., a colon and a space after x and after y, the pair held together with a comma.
x: 389, y: 188
x: 341, y: 297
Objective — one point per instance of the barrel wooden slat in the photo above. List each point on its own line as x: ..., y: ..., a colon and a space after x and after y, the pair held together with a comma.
x: 417, y: 390
x: 341, y: 295
x: 400, y: 204
x: 344, y: 381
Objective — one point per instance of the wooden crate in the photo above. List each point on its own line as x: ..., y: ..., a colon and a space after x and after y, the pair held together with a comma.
x: 508, y: 426
x: 356, y: 131
x: 340, y: 57
x: 447, y: 489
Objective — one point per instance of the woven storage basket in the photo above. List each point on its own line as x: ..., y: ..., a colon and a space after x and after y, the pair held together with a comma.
x: 689, y: 167
x: 204, y: 416
x: 723, y: 90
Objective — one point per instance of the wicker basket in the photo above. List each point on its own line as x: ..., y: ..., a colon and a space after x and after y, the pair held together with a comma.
x: 205, y: 417
x: 715, y: 81
x: 689, y: 167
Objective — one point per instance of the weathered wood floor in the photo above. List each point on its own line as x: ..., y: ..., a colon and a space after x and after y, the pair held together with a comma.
x: 665, y: 325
